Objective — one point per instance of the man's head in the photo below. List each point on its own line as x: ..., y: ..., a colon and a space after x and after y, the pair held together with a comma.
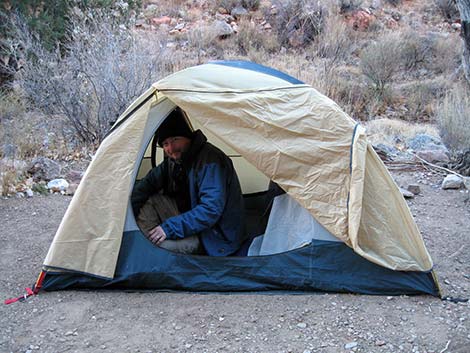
x: 174, y: 135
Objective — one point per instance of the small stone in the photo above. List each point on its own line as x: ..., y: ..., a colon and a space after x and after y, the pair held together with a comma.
x: 414, y: 188
x: 407, y: 194
x: 68, y: 333
x: 103, y: 346
x: 188, y: 345
x: 350, y: 345
x: 452, y: 181
x: 301, y: 325
x: 29, y: 193
x: 180, y: 26
x: 379, y: 343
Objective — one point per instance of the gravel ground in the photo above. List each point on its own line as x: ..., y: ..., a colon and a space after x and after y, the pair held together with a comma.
x: 118, y: 321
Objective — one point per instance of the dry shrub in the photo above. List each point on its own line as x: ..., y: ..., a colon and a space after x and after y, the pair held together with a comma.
x: 230, y: 4
x: 393, y: 131
x: 105, y: 68
x: 8, y: 180
x: 346, y: 6
x: 298, y: 22
x: 379, y: 61
x: 172, y: 8
x: 414, y: 50
x: 21, y: 133
x: 453, y: 117
x: 448, y: 9
x: 250, y: 37
x: 420, y: 98
x: 337, y: 40
x: 445, y: 53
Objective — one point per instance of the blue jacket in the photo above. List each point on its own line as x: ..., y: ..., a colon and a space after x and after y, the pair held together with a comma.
x: 216, y: 211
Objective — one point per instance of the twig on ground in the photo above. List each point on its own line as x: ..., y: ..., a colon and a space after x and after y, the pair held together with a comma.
x: 447, y: 346
x: 458, y: 251
x: 437, y: 167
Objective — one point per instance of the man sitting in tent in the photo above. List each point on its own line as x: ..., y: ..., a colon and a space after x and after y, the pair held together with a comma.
x: 192, y: 201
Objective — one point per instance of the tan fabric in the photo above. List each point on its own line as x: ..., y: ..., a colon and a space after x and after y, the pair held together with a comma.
x: 291, y: 133
x: 89, y: 236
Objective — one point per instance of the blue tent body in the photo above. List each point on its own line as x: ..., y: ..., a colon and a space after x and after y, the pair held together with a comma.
x: 320, y: 266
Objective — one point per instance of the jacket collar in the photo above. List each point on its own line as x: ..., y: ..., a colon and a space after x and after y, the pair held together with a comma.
x: 197, y: 142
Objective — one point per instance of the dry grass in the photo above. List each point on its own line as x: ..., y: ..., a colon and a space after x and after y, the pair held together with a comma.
x: 393, y: 131
x: 445, y: 54
x: 453, y: 117
x: 8, y: 180
x: 420, y: 97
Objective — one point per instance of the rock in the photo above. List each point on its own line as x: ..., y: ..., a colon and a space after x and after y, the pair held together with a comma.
x: 161, y: 20
x: 9, y: 150
x: 407, y: 194
x: 385, y: 152
x: 414, y: 188
x: 180, y: 26
x: 74, y: 176
x: 71, y: 189
x: 29, y: 193
x: 350, y: 345
x: 456, y: 26
x: 222, y: 10
x: 433, y: 156
x: 68, y: 333
x: 58, y: 185
x: 376, y: 4
x: 466, y: 183
x: 452, y: 181
x: 301, y: 325
x: 380, y: 343
x: 239, y: 12
x: 423, y: 142
x: 361, y: 20
x: 222, y: 29
x: 43, y: 168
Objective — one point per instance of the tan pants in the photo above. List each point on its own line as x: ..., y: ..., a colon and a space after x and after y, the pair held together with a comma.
x: 155, y: 211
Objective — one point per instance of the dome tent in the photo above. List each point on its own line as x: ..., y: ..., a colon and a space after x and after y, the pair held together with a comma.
x: 274, y: 127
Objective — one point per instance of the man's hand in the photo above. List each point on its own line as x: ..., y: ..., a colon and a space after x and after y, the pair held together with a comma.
x: 157, y: 235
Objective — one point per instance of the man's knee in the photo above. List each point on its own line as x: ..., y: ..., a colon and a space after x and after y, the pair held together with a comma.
x: 189, y: 245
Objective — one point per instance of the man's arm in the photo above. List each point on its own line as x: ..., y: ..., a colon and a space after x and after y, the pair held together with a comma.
x: 149, y: 185
x: 212, y: 198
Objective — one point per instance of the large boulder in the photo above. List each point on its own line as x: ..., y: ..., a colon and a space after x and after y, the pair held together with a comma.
x: 425, y: 142
x: 222, y: 29
x: 42, y: 168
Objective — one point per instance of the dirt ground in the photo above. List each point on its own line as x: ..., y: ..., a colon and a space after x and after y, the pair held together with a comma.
x: 117, y: 321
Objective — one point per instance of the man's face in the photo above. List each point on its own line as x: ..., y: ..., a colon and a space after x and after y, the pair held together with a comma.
x: 175, y: 146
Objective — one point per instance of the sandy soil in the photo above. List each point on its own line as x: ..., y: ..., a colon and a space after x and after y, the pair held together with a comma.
x: 117, y: 321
